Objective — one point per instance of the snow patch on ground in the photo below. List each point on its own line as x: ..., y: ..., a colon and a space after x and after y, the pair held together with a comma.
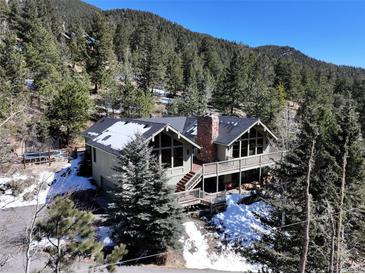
x: 119, y: 134
x: 67, y: 180
x: 198, y: 255
x: 54, y: 183
x: 43, y: 179
x: 239, y: 222
x: 104, y: 235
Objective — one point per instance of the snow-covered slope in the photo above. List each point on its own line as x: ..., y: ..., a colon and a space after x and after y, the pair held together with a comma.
x: 63, y: 181
x: 239, y: 223
x: 199, y: 255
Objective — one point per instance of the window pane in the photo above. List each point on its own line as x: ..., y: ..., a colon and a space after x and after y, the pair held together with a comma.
x: 156, y: 142
x: 260, y: 142
x: 259, y: 134
x: 260, y: 150
x: 236, y: 150
x: 244, y: 145
x: 166, y: 157
x: 165, y: 140
x: 177, y: 143
x: 252, y: 147
x: 245, y: 136
x: 252, y: 133
x: 178, y: 156
x: 155, y: 153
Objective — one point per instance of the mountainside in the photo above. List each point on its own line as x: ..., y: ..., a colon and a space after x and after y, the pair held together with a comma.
x: 173, y: 32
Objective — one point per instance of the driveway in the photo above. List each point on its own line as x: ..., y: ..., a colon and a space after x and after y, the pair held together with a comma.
x: 13, y: 224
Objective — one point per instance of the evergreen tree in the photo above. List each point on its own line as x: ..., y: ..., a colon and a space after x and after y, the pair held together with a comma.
x: 174, y: 74
x: 135, y: 103
x: 192, y: 103
x: 100, y: 52
x: 350, y: 156
x: 69, y: 110
x: 121, y: 42
x: 77, y: 45
x: 44, y: 61
x: 229, y: 93
x: 282, y: 249
x: 70, y: 233
x: 144, y: 211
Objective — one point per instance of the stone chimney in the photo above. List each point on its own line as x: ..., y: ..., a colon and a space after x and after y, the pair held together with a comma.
x: 207, y: 132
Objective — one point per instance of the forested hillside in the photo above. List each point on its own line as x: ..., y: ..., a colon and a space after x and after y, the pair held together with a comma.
x: 65, y: 64
x: 109, y: 62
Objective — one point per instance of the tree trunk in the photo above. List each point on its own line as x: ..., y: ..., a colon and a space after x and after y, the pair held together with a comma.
x: 303, y: 259
x: 340, y: 209
x: 333, y: 238
x: 28, y: 255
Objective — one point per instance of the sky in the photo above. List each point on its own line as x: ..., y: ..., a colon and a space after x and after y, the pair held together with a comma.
x: 328, y: 30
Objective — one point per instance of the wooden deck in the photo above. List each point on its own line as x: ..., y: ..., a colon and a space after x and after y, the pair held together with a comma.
x: 240, y: 164
x: 199, y: 197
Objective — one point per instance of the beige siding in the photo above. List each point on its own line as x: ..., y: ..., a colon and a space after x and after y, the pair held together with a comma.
x: 222, y: 152
x: 103, y: 167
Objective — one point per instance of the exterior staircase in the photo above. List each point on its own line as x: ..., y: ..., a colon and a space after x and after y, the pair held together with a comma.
x: 189, y: 181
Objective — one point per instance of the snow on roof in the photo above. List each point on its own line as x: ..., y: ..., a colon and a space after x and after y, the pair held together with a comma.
x: 119, y: 134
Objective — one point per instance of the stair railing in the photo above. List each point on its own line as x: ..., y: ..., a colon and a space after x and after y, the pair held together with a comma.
x: 193, y: 180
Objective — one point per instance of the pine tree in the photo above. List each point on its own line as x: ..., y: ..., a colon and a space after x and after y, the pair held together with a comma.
x: 305, y: 176
x: 193, y: 102
x: 44, y: 61
x: 121, y: 41
x: 350, y: 155
x: 100, y: 52
x: 69, y: 110
x: 13, y: 64
x: 229, y: 93
x: 70, y: 233
x: 144, y: 211
x: 174, y: 74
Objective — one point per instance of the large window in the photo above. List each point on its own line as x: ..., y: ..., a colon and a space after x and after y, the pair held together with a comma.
x: 250, y: 143
x: 168, y: 150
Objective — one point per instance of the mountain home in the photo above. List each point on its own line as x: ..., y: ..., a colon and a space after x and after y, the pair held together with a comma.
x: 208, y: 153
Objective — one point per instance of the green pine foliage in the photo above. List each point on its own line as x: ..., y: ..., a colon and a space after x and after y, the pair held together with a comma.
x: 115, y: 256
x: 69, y: 110
x: 146, y: 216
x: 329, y: 122
x: 70, y: 233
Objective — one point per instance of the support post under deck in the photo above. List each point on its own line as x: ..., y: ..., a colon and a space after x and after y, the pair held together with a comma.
x: 217, y: 176
x: 240, y: 178
x: 203, y: 177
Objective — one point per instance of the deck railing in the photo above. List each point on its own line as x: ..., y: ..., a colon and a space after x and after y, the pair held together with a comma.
x: 198, y: 196
x: 235, y: 165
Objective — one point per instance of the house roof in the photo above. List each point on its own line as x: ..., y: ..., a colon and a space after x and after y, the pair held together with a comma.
x: 230, y: 127
x: 111, y: 135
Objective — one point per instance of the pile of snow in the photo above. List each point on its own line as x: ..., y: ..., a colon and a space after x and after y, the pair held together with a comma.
x: 239, y: 222
x: 166, y: 100
x: 53, y: 183
x: 104, y: 235
x: 67, y: 180
x: 159, y: 92
x: 198, y: 255
x: 119, y: 134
